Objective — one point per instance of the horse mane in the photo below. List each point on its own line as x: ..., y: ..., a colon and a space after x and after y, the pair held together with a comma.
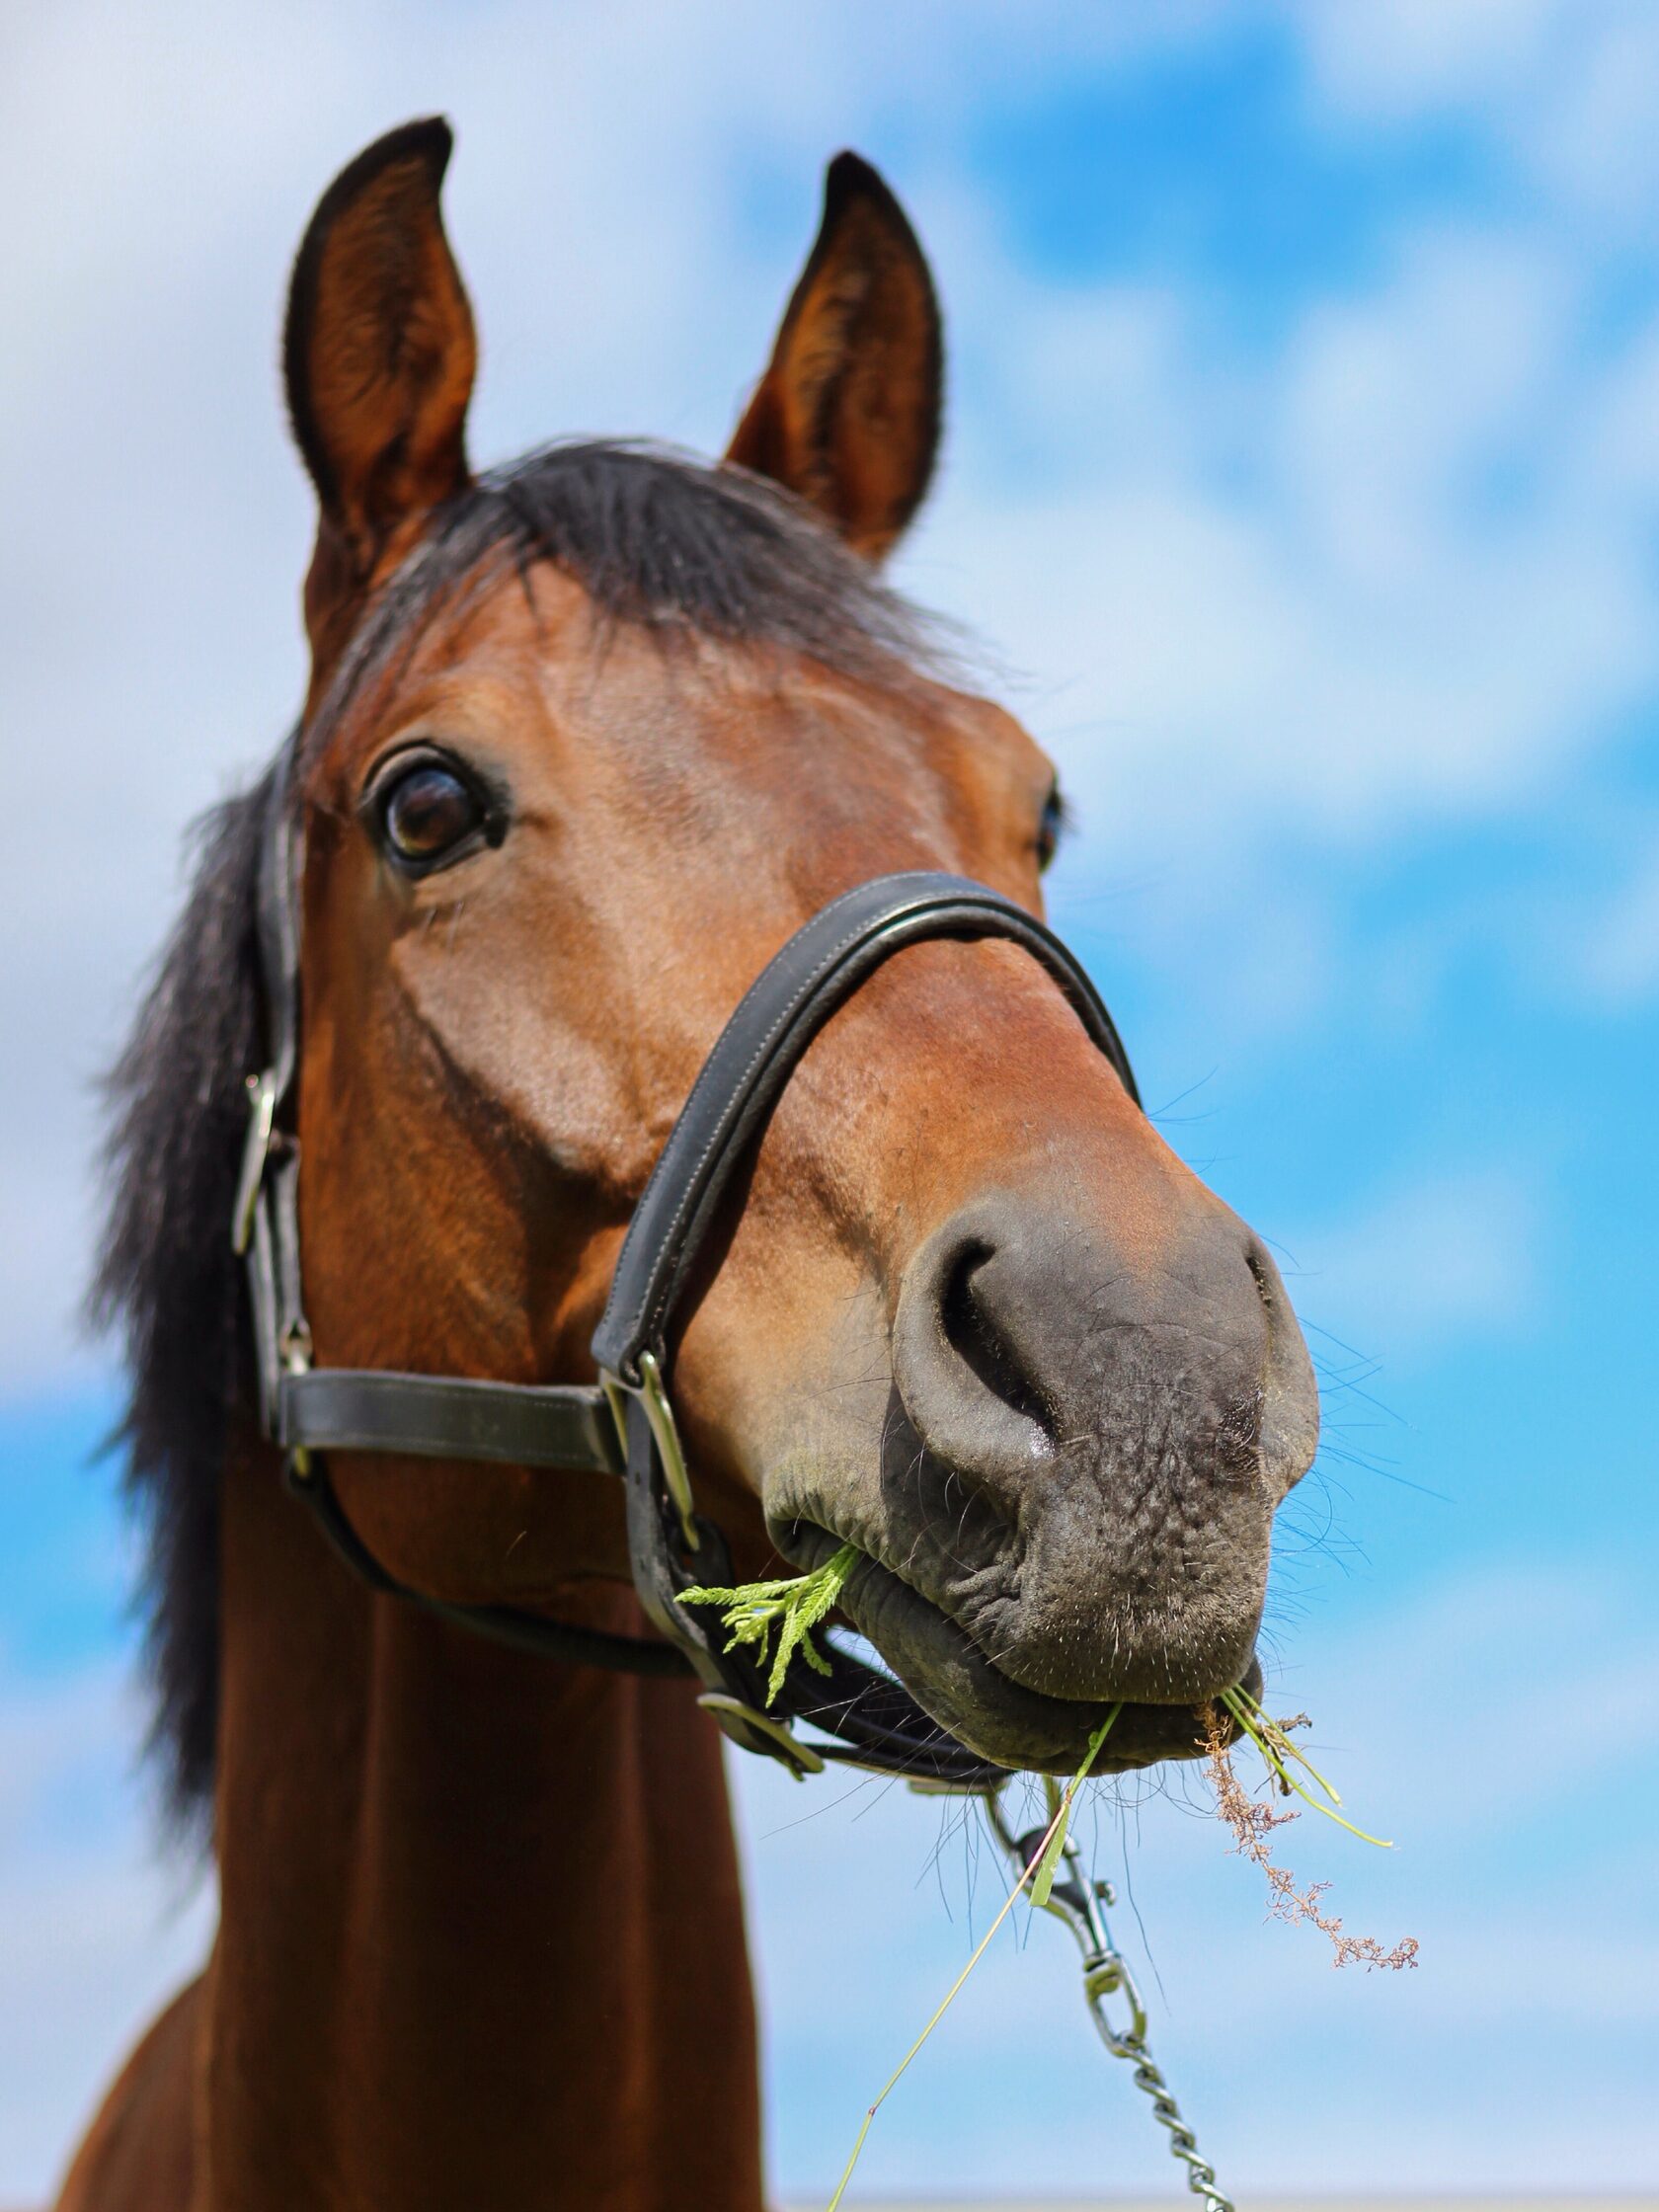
x: 657, y: 540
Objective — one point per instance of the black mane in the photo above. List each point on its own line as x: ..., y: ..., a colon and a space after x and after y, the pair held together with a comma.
x: 657, y: 540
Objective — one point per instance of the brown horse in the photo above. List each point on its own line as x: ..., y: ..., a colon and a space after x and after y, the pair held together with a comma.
x: 585, y: 742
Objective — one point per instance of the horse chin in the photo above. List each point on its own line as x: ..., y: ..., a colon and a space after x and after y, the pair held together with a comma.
x: 967, y: 1693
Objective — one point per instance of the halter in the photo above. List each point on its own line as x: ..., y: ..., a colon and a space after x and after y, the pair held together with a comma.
x: 624, y: 1428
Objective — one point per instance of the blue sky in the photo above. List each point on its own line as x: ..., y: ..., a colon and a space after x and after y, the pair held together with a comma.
x: 1302, y: 479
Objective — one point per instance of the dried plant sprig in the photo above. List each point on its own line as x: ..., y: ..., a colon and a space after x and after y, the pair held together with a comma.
x: 1042, y: 1860
x: 1252, y: 1824
x: 1279, y: 1753
x: 793, y: 1605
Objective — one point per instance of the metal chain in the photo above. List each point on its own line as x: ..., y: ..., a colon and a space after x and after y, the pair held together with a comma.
x: 1201, y: 2176
x: 1080, y: 1903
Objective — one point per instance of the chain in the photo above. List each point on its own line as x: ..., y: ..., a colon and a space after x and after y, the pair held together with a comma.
x: 1080, y: 1904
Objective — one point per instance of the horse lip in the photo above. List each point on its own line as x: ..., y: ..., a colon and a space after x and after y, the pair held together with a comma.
x: 1025, y: 1730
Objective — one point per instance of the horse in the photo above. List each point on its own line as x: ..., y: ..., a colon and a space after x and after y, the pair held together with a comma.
x: 586, y: 739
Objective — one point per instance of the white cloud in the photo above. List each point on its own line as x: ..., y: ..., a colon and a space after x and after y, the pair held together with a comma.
x: 1371, y: 634
x: 1264, y: 602
x: 1452, y: 1257
x: 1388, y: 58
x: 97, y: 1928
x: 1566, y: 87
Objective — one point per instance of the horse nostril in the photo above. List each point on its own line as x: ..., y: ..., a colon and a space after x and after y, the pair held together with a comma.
x: 968, y: 1355
x: 979, y: 1345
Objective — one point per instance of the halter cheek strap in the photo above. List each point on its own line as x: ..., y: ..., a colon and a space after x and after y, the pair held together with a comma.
x: 624, y: 1429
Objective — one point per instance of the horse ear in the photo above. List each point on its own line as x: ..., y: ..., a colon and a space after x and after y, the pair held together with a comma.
x: 848, y: 413
x: 380, y: 356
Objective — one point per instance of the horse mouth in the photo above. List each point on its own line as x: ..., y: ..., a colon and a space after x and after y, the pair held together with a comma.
x: 964, y: 1690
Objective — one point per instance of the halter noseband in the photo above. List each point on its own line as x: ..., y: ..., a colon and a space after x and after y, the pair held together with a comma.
x: 625, y: 1427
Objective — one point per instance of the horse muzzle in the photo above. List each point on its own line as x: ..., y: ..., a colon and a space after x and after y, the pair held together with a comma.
x: 1078, y: 1469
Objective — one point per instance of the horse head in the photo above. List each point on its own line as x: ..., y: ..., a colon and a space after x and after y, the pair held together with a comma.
x: 587, y: 741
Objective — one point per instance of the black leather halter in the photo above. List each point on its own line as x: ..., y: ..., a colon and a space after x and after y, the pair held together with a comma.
x: 625, y: 1427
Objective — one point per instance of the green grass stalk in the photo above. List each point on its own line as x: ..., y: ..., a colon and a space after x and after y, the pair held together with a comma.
x: 1044, y: 1860
x: 1048, y: 1859
x: 1279, y: 1751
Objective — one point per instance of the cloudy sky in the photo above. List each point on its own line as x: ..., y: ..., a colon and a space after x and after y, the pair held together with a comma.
x: 1303, y: 477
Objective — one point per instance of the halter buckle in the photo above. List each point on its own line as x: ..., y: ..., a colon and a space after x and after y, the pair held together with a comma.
x: 256, y: 1151
x: 652, y: 1396
x: 293, y: 1351
x: 734, y: 1717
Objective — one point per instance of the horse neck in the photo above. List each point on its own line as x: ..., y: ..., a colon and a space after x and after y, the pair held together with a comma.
x: 481, y: 1934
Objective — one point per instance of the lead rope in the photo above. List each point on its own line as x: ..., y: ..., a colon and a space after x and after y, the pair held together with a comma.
x: 1080, y: 1904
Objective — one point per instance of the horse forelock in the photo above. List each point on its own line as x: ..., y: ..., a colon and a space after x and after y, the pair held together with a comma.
x: 663, y: 543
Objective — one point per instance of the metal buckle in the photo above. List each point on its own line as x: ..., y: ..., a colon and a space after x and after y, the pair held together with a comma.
x: 293, y: 1351
x: 1105, y: 1972
x: 733, y: 1716
x: 1079, y: 1903
x: 256, y: 1151
x: 654, y: 1397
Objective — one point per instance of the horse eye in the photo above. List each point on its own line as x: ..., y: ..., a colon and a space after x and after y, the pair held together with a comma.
x: 1051, y: 826
x: 427, y: 812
